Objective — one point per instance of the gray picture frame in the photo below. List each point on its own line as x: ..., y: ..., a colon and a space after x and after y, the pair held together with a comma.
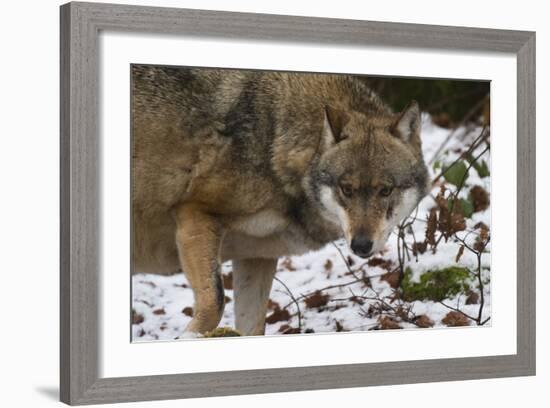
x: 80, y: 192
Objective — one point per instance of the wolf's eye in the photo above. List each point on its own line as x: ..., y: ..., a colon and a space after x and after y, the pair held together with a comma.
x: 346, y: 190
x: 386, y: 191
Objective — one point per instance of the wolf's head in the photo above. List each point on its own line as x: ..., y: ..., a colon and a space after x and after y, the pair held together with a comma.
x: 371, y: 174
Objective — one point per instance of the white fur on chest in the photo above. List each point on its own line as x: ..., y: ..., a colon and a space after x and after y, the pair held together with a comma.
x: 260, y: 224
x: 237, y: 245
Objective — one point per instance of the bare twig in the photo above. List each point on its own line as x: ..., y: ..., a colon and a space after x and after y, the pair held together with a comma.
x: 336, y: 286
x: 348, y: 266
x: 475, y: 144
x: 467, y: 117
x: 480, y: 281
x: 462, y: 181
x: 458, y: 310
x: 295, y: 302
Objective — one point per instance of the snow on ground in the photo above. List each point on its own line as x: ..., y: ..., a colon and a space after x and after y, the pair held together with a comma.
x: 162, y: 305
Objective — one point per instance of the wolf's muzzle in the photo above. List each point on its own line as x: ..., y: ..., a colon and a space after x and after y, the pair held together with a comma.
x: 361, y: 245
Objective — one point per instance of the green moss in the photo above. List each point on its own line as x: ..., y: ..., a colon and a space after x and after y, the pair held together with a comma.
x: 436, y: 284
x: 222, y: 332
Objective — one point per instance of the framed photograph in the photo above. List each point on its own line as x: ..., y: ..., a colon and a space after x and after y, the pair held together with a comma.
x: 262, y: 203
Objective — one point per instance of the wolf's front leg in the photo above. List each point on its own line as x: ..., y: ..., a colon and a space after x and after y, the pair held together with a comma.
x: 198, y: 237
x: 252, y: 279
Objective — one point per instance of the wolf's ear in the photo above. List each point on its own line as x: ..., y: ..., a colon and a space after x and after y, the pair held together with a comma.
x: 335, y: 120
x: 407, y: 124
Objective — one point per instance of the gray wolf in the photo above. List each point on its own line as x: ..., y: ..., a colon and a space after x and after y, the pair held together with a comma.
x: 250, y: 166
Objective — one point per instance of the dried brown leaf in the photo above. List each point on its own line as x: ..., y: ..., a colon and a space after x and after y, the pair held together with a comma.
x: 292, y: 330
x: 357, y: 300
x: 457, y: 222
x: 317, y: 299
x: 387, y: 323
x: 419, y: 247
x: 442, y: 119
x: 455, y: 319
x: 287, y: 264
x: 423, y: 321
x: 431, y: 226
x: 459, y: 253
x: 283, y: 327
x: 480, y: 198
x: 278, y: 315
x: 228, y: 281
x: 481, y: 225
x: 393, y: 278
x: 380, y: 262
x: 137, y: 318
x: 188, y: 311
x: 473, y: 298
x: 272, y: 305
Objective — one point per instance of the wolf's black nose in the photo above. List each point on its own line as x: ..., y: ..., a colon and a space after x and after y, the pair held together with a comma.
x: 361, y: 245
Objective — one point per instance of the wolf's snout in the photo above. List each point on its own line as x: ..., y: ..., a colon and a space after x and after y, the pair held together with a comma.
x: 361, y: 245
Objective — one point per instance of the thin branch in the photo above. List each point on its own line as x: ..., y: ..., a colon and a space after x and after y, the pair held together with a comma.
x: 337, y: 286
x: 458, y: 310
x: 475, y: 144
x: 463, y: 180
x: 467, y: 117
x: 348, y: 266
x: 294, y: 300
x: 485, y: 321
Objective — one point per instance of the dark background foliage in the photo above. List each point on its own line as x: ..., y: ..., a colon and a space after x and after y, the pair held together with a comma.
x: 448, y: 101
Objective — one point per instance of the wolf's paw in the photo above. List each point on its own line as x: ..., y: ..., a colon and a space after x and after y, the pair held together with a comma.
x: 189, y: 335
x: 223, y: 332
